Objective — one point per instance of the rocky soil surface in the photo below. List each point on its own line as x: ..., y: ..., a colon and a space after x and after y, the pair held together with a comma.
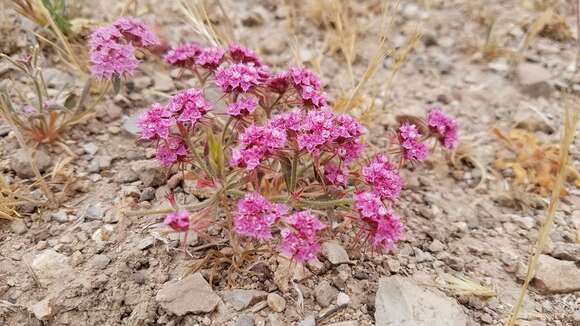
x: 85, y: 263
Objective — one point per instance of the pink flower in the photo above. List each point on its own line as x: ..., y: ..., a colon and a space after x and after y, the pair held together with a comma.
x: 136, y: 31
x: 155, y: 122
x: 443, y: 127
x: 383, y: 227
x: 241, y: 54
x: 334, y: 175
x: 306, y: 223
x: 278, y: 83
x: 189, y: 105
x: 308, y: 86
x: 109, y: 57
x: 255, y: 144
x: 301, y: 242
x: 256, y: 215
x: 349, y: 151
x: 170, y: 151
x: 318, y: 129
x: 183, y: 56
x: 178, y: 221
x: 210, y: 58
x: 242, y: 107
x: 238, y: 77
x: 384, y: 177
x: 289, y: 121
x: 409, y: 140
x: 297, y: 247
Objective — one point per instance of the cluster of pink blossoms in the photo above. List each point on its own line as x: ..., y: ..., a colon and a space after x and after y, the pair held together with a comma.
x: 112, y: 48
x: 256, y: 144
x: 383, y: 177
x: 410, y: 141
x: 256, y: 215
x: 178, y: 220
x: 184, y: 110
x: 444, y: 127
x: 379, y: 223
x: 301, y: 241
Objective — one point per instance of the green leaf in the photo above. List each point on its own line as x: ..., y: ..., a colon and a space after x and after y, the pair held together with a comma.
x: 71, y: 101
x: 216, y: 151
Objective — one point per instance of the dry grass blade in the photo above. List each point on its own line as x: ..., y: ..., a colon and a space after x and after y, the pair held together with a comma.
x: 570, y: 122
x: 461, y: 285
x: 196, y: 14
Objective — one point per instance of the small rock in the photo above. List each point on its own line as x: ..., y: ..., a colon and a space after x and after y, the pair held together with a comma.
x: 308, y: 321
x: 146, y: 243
x: 399, y: 301
x: 43, y: 309
x: 50, y: 266
x: 95, y: 211
x: 126, y: 175
x: 315, y: 265
x: 189, y: 295
x: 60, y: 216
x: 436, y: 246
x: 276, y: 302
x: 17, y: 226
x: 325, y: 294
x: 20, y: 163
x: 245, y: 320
x: 141, y: 82
x: 393, y: 265
x: 103, y: 234
x: 149, y: 172
x: 241, y: 299
x: 99, y: 262
x: 566, y: 251
x: 534, y: 80
x: 556, y: 276
x: 90, y: 148
x: 147, y: 194
x: 342, y: 299
x: 410, y: 11
x: 335, y: 253
x: 576, y: 316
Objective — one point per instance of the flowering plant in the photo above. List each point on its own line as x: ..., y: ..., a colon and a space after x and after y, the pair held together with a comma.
x: 282, y: 166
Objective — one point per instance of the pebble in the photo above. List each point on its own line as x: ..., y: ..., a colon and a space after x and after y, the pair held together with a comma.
x: 566, y: 251
x: 17, y: 226
x: 95, y: 211
x: 534, y: 80
x: 342, y: 299
x: 241, y: 299
x: 276, y: 302
x: 191, y: 294
x: 50, y: 266
x: 436, y: 246
x: 335, y: 253
x: 245, y: 320
x: 399, y: 301
x: 20, y: 163
x: 90, y: 148
x: 147, y: 194
x: 308, y: 321
x: 163, y: 81
x: 325, y: 294
x: 60, y: 216
x: 43, y: 309
x: 149, y: 172
x: 99, y: 262
x: 556, y: 276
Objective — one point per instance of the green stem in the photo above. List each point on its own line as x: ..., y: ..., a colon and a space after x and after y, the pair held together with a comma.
x: 324, y: 204
x: 230, y: 119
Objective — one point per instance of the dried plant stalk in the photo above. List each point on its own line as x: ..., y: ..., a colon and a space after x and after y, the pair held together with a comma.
x: 461, y: 285
x: 570, y: 121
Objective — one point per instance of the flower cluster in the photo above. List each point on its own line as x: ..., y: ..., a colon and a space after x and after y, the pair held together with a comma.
x: 300, y: 242
x: 255, y: 144
x: 380, y: 223
x: 178, y: 220
x: 240, y: 77
x: 444, y: 127
x: 112, y: 48
x: 184, y: 55
x: 308, y: 86
x: 410, y: 141
x: 242, y: 107
x: 166, y: 124
x: 256, y: 215
x: 384, y: 178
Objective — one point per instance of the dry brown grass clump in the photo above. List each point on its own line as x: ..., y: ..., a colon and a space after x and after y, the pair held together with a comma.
x: 533, y: 164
